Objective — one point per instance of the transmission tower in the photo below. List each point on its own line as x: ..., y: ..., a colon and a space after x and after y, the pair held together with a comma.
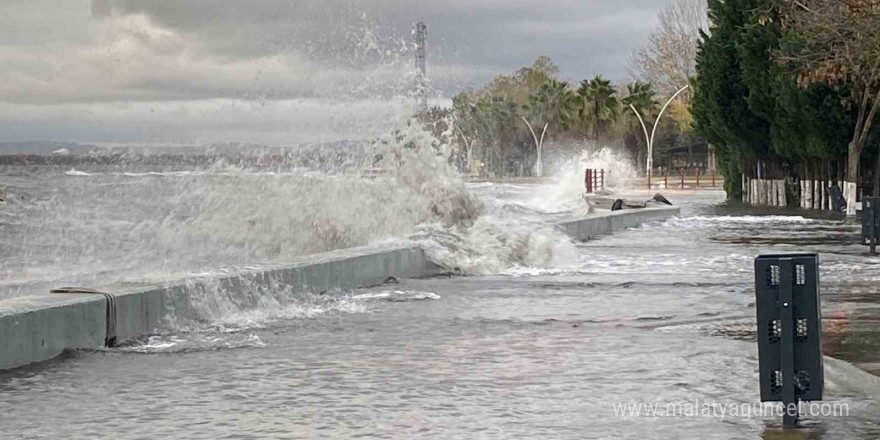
x: 420, y: 34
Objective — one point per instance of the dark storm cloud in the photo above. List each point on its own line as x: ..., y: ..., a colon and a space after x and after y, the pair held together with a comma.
x: 278, y: 71
x: 583, y: 37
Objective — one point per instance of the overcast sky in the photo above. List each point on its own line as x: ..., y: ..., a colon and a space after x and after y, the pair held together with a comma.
x: 277, y: 71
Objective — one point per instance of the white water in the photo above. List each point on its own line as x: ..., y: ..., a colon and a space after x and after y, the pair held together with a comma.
x: 94, y: 227
x: 568, y: 187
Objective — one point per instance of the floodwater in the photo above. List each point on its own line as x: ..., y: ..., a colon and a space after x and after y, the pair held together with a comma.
x: 658, y: 315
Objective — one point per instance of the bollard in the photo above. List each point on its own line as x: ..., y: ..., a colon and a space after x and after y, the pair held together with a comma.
x: 871, y: 222
x: 789, y: 331
x: 698, y: 177
x: 666, y: 178
x: 681, y: 172
x: 588, y: 181
x: 602, y: 173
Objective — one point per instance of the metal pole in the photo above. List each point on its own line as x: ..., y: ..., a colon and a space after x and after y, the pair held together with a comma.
x: 647, y: 144
x: 666, y: 178
x: 420, y: 34
x: 650, y: 139
x: 698, y: 177
x: 539, y: 146
x: 467, y: 146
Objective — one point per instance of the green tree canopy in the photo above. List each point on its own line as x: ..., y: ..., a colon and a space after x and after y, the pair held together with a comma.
x: 552, y: 103
x: 598, y: 106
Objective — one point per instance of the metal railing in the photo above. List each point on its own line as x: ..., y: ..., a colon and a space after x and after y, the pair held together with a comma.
x: 683, y: 177
x: 594, y: 180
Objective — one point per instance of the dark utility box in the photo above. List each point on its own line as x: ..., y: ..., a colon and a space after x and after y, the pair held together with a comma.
x: 789, y: 326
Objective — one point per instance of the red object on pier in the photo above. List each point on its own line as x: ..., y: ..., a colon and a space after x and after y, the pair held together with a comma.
x: 594, y: 180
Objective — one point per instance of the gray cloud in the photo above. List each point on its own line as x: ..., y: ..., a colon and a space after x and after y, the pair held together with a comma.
x: 101, y: 8
x: 73, y: 56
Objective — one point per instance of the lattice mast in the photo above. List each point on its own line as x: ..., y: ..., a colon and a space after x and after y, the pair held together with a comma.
x: 420, y: 36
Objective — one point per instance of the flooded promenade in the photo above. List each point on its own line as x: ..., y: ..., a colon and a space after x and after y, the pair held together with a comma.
x: 663, y: 313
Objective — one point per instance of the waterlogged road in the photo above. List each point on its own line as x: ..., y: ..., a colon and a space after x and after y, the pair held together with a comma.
x: 661, y: 314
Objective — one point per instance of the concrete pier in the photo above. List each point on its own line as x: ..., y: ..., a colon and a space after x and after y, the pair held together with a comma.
x: 605, y: 223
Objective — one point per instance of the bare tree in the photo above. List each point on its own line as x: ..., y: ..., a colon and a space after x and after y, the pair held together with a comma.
x: 839, y: 44
x: 668, y: 61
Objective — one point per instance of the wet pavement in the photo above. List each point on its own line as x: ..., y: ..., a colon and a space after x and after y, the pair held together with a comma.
x: 661, y: 314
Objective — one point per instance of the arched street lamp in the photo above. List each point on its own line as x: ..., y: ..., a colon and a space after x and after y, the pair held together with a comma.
x: 468, y: 146
x: 539, y: 146
x: 650, y: 139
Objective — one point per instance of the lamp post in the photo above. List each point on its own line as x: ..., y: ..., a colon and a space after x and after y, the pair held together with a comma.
x: 650, y: 139
x: 468, y: 145
x: 539, y: 145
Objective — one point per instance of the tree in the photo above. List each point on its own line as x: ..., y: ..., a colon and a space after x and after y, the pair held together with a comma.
x: 522, y: 83
x: 805, y: 122
x: 543, y: 69
x: 641, y: 96
x: 464, y: 115
x: 668, y: 61
x: 721, y: 114
x: 497, y: 121
x: 490, y: 117
x: 598, y: 106
x: 751, y: 103
x: 838, y: 42
x: 553, y: 103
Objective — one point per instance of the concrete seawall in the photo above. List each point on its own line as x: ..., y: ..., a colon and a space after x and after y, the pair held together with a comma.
x: 605, y: 223
x: 40, y: 327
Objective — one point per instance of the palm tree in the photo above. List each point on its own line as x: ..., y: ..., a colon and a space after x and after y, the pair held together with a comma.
x: 598, y: 107
x: 641, y: 96
x: 553, y: 103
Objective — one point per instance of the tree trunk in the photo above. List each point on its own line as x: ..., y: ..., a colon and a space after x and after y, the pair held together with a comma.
x: 876, y: 179
x: 854, y: 153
